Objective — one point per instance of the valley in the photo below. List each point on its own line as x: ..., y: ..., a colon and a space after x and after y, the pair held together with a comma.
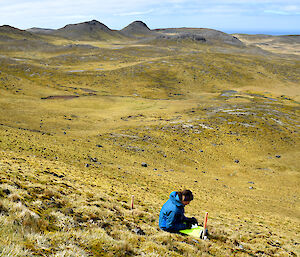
x: 208, y: 111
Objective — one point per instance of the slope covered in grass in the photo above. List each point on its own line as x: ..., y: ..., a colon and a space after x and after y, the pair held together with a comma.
x: 77, y: 123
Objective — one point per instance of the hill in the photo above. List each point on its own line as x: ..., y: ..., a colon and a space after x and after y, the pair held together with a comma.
x: 285, y: 44
x: 90, y: 30
x: 94, y: 30
x: 137, y: 28
x: 15, y: 33
x: 200, y: 34
x: 40, y: 30
x: 14, y: 39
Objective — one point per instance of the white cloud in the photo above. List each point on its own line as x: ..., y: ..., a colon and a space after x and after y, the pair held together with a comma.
x: 291, y: 8
x: 134, y: 6
x: 134, y: 13
x: 276, y: 12
x: 281, y: 12
x: 284, y: 10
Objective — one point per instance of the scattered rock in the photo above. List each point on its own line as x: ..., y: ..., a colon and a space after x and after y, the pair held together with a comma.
x: 251, y: 187
x: 236, y: 161
x: 53, y: 173
x: 99, y: 146
x: 138, y: 231
x: 6, y: 191
x: 87, y: 165
x: 228, y: 93
x: 144, y: 164
x: 251, y: 182
x: 94, y: 159
x: 241, y: 246
x: 181, y: 36
x: 278, y: 156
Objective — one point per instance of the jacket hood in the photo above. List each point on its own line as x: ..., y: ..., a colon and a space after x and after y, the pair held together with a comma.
x: 175, y: 199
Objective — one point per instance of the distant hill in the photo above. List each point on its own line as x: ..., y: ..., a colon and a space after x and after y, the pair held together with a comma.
x: 199, y: 34
x: 283, y: 44
x: 9, y: 32
x: 41, y: 30
x: 137, y: 28
x: 290, y: 39
x: 294, y: 39
x: 90, y: 30
x: 14, y: 39
x: 95, y: 30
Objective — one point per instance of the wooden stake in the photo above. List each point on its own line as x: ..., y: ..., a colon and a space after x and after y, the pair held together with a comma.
x: 132, y: 200
x: 205, y: 224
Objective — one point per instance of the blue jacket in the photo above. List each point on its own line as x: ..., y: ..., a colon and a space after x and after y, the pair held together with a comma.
x: 171, y: 217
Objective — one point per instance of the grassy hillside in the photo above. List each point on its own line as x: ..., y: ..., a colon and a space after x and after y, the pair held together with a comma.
x: 287, y: 44
x: 78, y: 119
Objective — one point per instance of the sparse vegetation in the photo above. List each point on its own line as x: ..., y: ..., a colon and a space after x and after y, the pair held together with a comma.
x: 78, y: 119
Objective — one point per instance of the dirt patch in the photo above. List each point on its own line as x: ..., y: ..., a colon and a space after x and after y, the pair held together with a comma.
x: 59, y: 97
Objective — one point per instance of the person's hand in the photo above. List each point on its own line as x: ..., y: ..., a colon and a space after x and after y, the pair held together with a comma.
x: 188, y: 225
x: 193, y: 221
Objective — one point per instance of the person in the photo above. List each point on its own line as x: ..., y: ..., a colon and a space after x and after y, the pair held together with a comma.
x: 171, y: 217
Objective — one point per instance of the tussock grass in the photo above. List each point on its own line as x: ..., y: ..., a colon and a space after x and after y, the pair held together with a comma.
x: 221, y: 121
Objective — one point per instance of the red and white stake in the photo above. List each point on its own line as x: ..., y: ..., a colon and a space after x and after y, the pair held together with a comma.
x: 204, y: 225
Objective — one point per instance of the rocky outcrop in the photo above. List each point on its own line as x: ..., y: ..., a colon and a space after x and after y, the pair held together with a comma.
x: 183, y: 36
x: 201, y: 34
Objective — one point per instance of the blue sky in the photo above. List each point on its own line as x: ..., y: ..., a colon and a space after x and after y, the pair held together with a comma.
x: 243, y: 16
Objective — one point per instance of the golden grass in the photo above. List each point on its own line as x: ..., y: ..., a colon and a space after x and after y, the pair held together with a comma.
x: 68, y: 167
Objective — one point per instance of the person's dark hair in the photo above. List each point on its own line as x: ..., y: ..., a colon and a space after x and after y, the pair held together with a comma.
x: 186, y: 195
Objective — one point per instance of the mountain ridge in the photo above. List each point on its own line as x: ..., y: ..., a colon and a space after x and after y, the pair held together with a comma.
x: 95, y: 30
